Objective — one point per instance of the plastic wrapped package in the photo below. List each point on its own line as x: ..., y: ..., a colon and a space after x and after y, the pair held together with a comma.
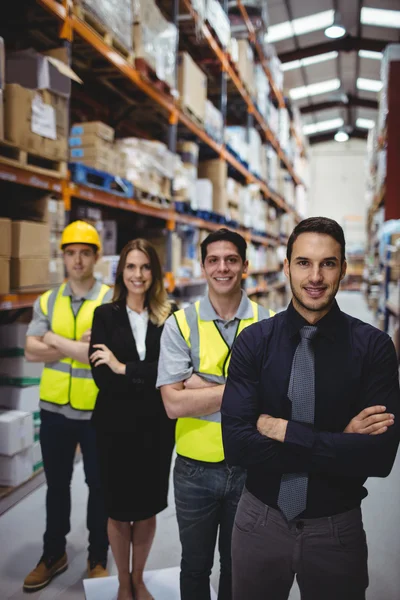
x: 219, y: 21
x: 155, y: 39
x: 149, y: 165
x: 116, y: 15
x: 214, y: 122
x: 262, y: 91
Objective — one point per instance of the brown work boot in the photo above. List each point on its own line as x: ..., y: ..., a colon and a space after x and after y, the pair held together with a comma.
x: 43, y: 573
x: 96, y: 568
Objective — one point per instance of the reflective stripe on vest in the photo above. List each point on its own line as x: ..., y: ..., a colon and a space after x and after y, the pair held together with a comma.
x: 69, y: 381
x: 200, y: 438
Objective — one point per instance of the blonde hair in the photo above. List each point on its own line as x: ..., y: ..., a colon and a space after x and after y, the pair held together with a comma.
x: 157, y: 303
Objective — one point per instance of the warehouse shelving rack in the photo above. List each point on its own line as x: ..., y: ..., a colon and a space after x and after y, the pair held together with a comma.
x: 71, y: 24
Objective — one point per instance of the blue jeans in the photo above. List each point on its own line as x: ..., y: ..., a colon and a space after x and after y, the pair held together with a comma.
x: 59, y: 438
x: 206, y: 497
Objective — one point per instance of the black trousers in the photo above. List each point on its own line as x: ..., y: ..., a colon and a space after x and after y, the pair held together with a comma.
x: 59, y: 438
x: 328, y: 556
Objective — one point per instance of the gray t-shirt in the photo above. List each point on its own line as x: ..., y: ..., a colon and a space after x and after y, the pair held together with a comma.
x: 40, y: 325
x: 175, y: 362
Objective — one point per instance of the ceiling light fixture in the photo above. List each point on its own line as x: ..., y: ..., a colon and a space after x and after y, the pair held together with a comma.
x: 341, y: 136
x: 369, y: 85
x: 300, y: 26
x: 323, y: 87
x: 322, y: 126
x: 379, y: 17
x: 365, y: 123
x: 336, y: 30
x: 370, y: 54
x: 310, y: 60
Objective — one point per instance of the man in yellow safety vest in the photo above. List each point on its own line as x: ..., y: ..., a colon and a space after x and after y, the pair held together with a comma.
x: 59, y: 336
x: 196, y: 346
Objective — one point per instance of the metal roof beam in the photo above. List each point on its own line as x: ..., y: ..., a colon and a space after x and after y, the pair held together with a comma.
x: 360, y: 134
x: 348, y: 43
x: 352, y: 101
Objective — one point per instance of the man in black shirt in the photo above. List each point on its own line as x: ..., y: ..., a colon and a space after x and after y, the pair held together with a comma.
x: 310, y: 409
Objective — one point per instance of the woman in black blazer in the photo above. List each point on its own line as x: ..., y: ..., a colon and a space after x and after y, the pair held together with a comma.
x: 134, y: 435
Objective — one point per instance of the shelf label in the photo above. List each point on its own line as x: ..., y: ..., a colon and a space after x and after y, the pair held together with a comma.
x: 8, y: 176
x: 37, y: 182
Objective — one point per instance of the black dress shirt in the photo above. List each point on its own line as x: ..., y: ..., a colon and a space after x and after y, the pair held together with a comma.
x: 355, y: 367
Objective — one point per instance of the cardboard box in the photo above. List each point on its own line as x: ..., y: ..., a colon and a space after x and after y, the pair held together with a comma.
x: 192, y: 86
x: 37, y: 458
x: 29, y: 239
x: 204, y: 195
x: 88, y: 140
x: 16, y: 431
x: 5, y: 238
x: 36, y: 121
x: 108, y: 231
x: 29, y: 272
x: 245, y: 65
x: 39, y: 72
x: 54, y: 245
x: 56, y: 271
x: 2, y: 64
x: 16, y: 469
x: 4, y: 275
x: 20, y: 398
x: 97, y: 128
x: 106, y: 269
x: 1, y: 115
x: 102, y: 159
x: 216, y: 171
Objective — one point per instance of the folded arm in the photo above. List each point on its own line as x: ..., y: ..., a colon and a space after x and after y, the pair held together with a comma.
x: 181, y: 401
x: 244, y: 444
x: 347, y: 454
x: 36, y: 350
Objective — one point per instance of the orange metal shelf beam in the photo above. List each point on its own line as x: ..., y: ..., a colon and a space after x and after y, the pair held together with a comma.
x: 164, y: 100
x: 226, y: 65
x: 96, y: 196
x: 264, y: 63
x: 19, y: 299
x: 28, y: 177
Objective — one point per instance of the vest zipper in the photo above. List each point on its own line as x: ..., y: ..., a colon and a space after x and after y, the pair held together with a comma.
x: 230, y: 351
x: 72, y: 359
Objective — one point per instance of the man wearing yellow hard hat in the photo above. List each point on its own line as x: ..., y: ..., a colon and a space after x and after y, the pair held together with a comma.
x: 59, y: 336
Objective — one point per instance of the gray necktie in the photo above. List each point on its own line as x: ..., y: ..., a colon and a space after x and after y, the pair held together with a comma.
x: 292, y: 499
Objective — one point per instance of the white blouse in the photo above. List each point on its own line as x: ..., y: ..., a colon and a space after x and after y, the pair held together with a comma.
x: 139, y: 324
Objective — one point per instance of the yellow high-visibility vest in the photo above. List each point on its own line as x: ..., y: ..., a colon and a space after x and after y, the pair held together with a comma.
x: 69, y: 381
x: 200, y: 438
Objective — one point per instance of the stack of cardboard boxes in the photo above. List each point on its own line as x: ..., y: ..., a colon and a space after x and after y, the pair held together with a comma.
x: 192, y: 87
x: 20, y: 452
x: 5, y: 255
x: 92, y: 144
x: 30, y: 255
x: 36, y: 102
x: 216, y: 171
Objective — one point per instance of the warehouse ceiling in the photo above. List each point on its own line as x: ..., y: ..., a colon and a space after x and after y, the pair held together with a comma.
x: 348, y: 66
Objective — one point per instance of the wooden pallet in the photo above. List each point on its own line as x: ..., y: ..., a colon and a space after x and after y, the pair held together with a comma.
x: 147, y: 72
x: 14, y: 156
x: 151, y: 199
x: 102, y: 31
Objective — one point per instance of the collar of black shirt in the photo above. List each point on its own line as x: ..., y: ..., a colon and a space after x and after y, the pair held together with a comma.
x: 327, y: 326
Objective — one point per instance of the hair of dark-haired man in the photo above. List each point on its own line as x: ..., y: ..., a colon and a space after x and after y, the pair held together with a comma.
x: 224, y: 235
x: 318, y: 225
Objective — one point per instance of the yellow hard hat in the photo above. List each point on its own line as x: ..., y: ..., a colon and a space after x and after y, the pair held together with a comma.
x: 80, y: 232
